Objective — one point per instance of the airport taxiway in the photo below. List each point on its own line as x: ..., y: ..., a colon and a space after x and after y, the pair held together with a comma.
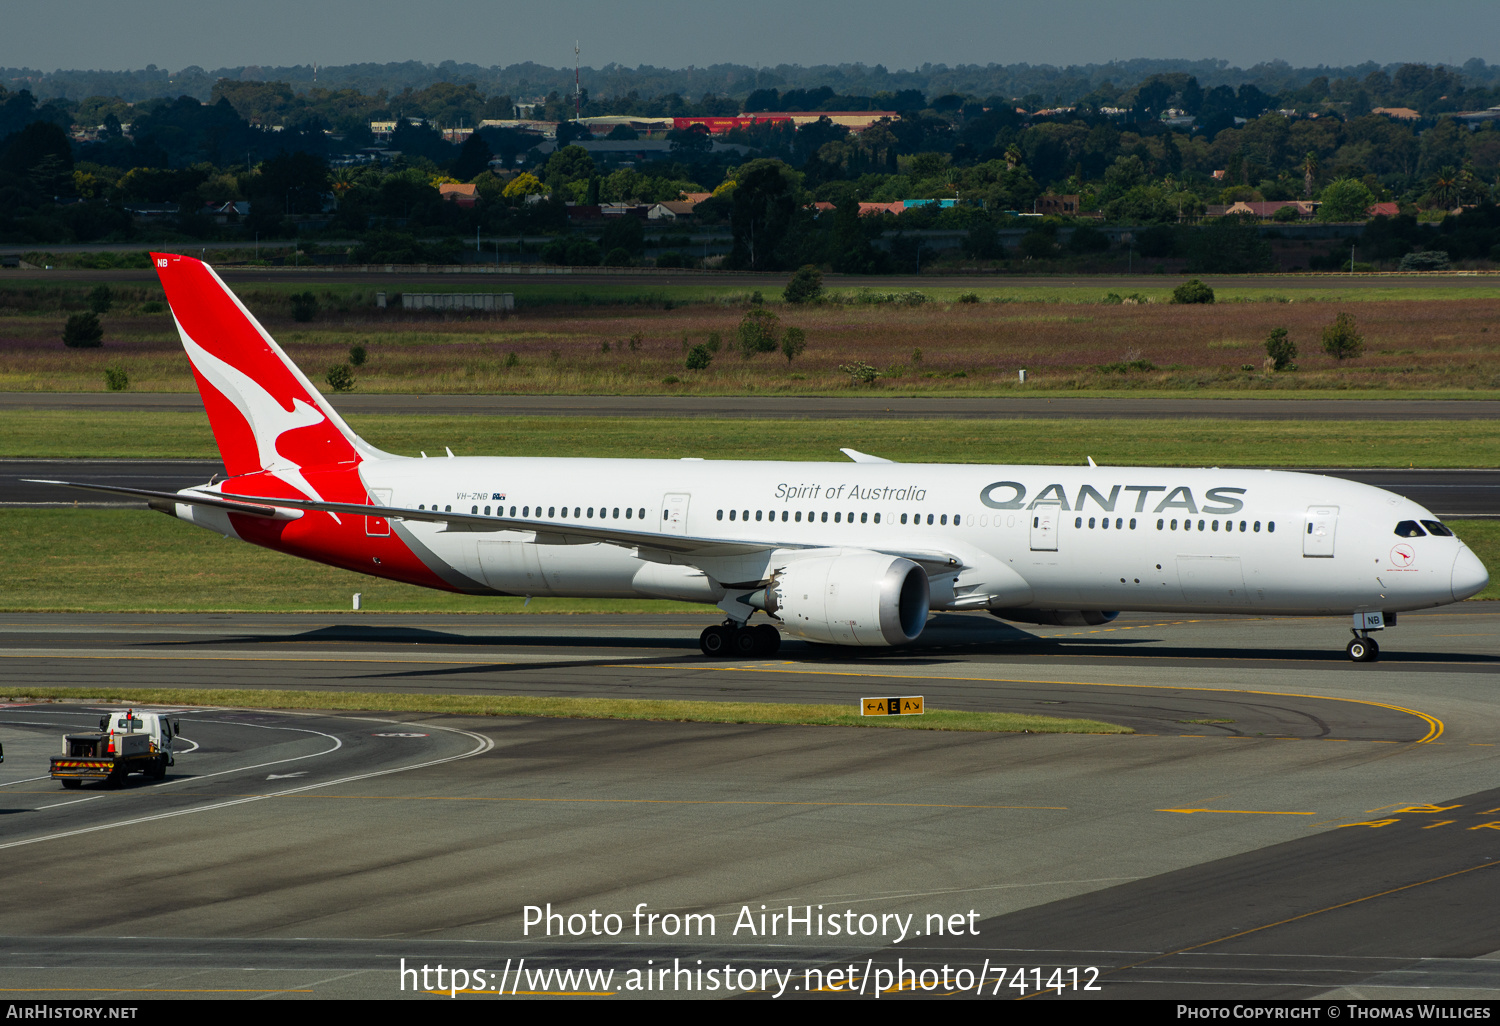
x: 1284, y: 823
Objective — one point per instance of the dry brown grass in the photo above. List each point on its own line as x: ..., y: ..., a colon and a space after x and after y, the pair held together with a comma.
x: 1420, y: 345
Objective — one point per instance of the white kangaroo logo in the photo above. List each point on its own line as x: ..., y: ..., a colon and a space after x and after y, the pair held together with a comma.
x: 267, y: 418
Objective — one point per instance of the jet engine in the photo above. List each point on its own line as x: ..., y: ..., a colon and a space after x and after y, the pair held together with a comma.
x: 859, y: 598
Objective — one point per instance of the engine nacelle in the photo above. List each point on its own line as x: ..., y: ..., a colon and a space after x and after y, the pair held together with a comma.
x: 857, y: 598
x: 1058, y: 617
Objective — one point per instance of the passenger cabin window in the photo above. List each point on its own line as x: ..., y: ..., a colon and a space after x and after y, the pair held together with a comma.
x: 1436, y: 529
x: 1405, y: 529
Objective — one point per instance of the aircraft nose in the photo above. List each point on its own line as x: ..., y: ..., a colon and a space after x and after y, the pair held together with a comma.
x: 1469, y: 575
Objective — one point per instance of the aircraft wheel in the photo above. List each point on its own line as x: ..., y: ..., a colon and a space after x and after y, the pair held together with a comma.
x: 748, y: 642
x: 1363, y: 650
x: 770, y: 638
x: 715, y: 641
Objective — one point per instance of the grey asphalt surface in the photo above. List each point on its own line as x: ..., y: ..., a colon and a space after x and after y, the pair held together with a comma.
x: 814, y: 407
x: 1332, y: 839
x: 1449, y: 493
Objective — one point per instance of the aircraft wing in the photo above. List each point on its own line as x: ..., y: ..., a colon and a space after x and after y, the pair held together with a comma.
x: 551, y: 532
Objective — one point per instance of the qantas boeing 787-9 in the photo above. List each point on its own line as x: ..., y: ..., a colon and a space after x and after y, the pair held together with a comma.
x: 849, y: 553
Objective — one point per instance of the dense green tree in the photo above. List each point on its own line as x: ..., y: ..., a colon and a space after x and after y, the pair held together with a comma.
x: 793, y: 343
x: 765, y: 202
x: 1193, y: 291
x: 41, y: 153
x: 805, y: 286
x: 1342, y: 340
x: 567, y: 165
x: 421, y: 140
x: 83, y: 331
x: 758, y: 332
x: 294, y: 183
x: 1281, y: 350
x: 1226, y: 246
x: 473, y: 159
x: 1345, y: 200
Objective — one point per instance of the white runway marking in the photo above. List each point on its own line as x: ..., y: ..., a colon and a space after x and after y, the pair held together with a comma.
x: 484, y: 745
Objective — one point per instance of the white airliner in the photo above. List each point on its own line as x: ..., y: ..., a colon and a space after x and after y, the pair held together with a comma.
x: 851, y: 553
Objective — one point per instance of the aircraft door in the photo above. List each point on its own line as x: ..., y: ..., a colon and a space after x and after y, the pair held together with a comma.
x: 379, y: 527
x: 1044, y: 521
x: 674, y: 513
x: 1317, y: 536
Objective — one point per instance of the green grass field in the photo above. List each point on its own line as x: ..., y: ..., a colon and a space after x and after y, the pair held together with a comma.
x: 584, y: 708
x: 180, y: 435
x: 633, y: 339
x: 91, y: 560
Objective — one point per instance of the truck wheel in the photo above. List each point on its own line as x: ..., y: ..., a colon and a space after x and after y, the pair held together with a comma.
x: 72, y: 785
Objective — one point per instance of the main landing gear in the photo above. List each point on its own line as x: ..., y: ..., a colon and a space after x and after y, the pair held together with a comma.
x: 729, y: 640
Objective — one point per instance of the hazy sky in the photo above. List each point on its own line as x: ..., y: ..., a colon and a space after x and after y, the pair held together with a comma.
x: 114, y: 35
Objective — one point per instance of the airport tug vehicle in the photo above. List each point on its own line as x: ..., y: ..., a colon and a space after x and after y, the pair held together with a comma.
x: 127, y: 742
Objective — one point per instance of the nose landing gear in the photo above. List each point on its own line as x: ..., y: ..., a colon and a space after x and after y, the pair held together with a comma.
x: 729, y: 639
x: 1363, y: 649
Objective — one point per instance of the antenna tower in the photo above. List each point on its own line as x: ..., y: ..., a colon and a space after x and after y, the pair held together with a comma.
x: 577, y: 89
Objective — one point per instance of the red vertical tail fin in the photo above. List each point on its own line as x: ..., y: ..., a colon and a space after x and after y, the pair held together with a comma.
x: 265, y: 414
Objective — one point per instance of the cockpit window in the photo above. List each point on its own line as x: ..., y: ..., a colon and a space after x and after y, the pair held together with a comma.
x: 1437, y: 529
x: 1409, y: 529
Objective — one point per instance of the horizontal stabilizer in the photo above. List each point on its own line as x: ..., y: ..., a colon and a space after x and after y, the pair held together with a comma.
x: 864, y: 457
x: 250, y: 509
